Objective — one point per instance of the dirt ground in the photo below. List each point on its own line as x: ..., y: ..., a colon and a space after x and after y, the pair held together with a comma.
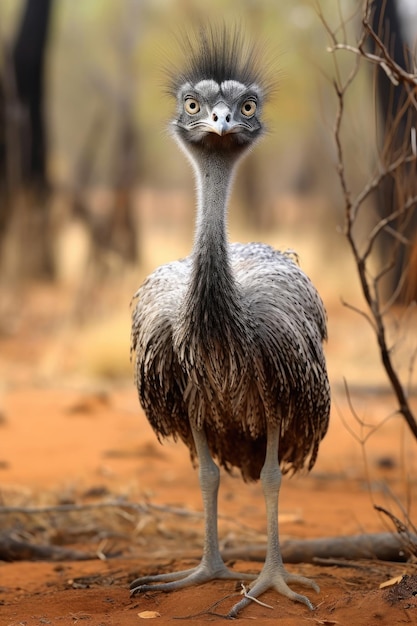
x: 79, y: 446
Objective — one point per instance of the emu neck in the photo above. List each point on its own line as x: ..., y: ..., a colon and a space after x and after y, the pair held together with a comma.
x: 214, y: 178
x: 212, y: 291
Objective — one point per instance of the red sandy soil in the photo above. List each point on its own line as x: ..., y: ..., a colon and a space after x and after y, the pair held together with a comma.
x: 65, y: 438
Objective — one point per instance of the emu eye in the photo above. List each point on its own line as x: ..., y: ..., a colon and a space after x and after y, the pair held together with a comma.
x: 192, y: 106
x: 248, y: 108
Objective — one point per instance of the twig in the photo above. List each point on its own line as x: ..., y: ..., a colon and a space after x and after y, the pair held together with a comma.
x: 387, y: 62
x: 383, y: 223
x: 245, y: 593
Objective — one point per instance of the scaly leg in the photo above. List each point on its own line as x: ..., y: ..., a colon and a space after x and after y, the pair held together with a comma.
x: 273, y: 574
x: 211, y: 565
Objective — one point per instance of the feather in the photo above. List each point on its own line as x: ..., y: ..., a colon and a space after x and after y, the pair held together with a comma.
x: 215, y: 52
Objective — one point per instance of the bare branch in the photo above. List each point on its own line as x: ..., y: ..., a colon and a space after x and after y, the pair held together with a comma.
x: 386, y: 61
x: 389, y: 167
x: 395, y: 72
x: 384, y: 222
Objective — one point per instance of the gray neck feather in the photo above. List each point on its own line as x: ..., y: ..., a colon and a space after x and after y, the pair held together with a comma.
x: 212, y: 300
x: 214, y: 177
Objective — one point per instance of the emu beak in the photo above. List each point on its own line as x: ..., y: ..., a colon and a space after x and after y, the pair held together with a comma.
x: 219, y: 120
x: 220, y: 127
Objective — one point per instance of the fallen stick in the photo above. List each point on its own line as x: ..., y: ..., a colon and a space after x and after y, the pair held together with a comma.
x: 18, y: 550
x: 380, y: 546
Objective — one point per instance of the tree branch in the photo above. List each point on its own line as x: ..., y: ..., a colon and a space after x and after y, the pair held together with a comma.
x: 352, y: 203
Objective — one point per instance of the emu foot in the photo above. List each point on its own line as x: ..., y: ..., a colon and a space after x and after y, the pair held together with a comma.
x: 275, y: 579
x: 204, y: 572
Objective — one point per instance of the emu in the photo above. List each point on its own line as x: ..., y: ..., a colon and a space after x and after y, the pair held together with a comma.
x: 227, y: 342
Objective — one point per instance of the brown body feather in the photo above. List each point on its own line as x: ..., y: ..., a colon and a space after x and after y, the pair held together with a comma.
x: 231, y: 363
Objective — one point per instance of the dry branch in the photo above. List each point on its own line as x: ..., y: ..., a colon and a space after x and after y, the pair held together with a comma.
x: 376, y: 312
x: 12, y: 549
x: 379, y: 546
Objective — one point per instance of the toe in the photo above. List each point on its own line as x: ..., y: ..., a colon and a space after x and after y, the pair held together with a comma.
x: 302, y: 580
x: 159, y: 578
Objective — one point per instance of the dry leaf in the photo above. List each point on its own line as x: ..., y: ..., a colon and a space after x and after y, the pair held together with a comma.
x: 391, y: 582
x: 149, y: 614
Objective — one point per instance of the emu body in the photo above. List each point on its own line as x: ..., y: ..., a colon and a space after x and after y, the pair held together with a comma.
x: 228, y: 342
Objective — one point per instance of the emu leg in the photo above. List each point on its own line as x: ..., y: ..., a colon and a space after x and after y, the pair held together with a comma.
x: 273, y: 574
x: 211, y: 565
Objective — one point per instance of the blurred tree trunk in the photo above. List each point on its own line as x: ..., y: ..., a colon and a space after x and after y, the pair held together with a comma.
x: 28, y: 62
x: 24, y: 213
x: 398, y: 242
